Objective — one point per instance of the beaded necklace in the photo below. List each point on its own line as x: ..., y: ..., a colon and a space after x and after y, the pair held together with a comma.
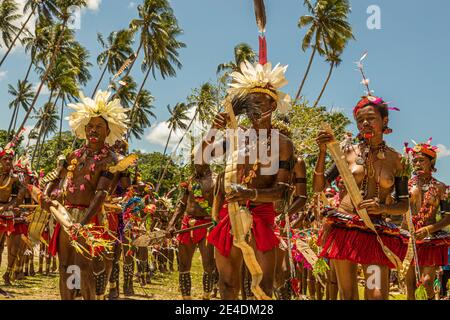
x: 428, y: 206
x: 75, y: 163
x: 199, y: 198
x: 366, y: 159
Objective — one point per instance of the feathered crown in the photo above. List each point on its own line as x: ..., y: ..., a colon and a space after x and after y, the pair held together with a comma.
x: 423, y: 148
x: 263, y: 79
x: 112, y: 112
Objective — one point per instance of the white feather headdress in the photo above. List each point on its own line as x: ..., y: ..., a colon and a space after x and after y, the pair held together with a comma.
x: 261, y: 78
x: 113, y: 113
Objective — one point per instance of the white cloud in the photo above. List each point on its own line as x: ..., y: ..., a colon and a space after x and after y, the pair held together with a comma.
x: 443, y: 151
x: 93, y: 5
x: 160, y: 132
x: 3, y: 75
x: 131, y: 5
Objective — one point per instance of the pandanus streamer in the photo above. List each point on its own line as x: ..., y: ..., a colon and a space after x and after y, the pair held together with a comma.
x: 234, y: 211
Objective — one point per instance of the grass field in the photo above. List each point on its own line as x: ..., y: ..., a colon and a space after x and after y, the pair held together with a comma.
x: 164, y: 286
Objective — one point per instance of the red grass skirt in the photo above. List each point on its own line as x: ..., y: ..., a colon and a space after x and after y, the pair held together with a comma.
x: 20, y: 228
x: 53, y: 245
x: 194, y: 236
x: 348, y: 239
x: 262, y: 229
x: 433, y: 250
x: 113, y: 221
x: 6, y: 225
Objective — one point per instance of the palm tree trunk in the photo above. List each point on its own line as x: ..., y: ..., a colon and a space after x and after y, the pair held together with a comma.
x: 60, y: 124
x: 17, y: 37
x: 176, y: 147
x: 136, y: 101
x: 324, y: 85
x: 100, y: 80
x: 43, y: 125
x: 164, y: 153
x: 15, y: 119
x: 41, y: 149
x: 305, y: 76
x: 38, y: 141
x: 45, y: 76
x: 29, y: 69
x: 12, y: 119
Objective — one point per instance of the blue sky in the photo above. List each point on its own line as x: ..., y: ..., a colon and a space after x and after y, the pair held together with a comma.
x: 407, y: 63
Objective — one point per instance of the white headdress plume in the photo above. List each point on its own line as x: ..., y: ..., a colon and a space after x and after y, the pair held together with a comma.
x: 261, y: 78
x: 113, y: 113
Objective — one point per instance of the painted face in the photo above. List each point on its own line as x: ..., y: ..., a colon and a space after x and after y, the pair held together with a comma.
x: 422, y: 164
x: 262, y: 107
x: 369, y: 122
x: 97, y: 130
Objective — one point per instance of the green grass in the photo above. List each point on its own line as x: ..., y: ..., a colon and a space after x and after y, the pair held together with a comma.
x: 164, y: 286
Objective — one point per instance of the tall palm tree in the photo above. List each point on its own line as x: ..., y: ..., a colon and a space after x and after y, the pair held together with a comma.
x: 178, y: 117
x: 205, y: 103
x: 140, y: 119
x: 60, y: 32
x: 118, y: 47
x: 47, y: 122
x: 41, y: 8
x: 23, y: 95
x: 125, y: 91
x: 158, y: 32
x: 242, y: 52
x: 37, y: 42
x: 8, y: 17
x: 327, y: 19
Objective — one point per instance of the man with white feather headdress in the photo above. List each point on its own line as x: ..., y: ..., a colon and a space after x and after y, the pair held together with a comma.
x: 254, y: 93
x: 82, y: 184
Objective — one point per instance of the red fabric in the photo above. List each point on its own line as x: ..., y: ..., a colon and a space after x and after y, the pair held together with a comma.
x: 20, y: 228
x: 432, y: 255
x: 196, y: 235
x: 113, y: 221
x: 53, y: 245
x: 262, y: 50
x: 263, y: 229
x: 46, y: 236
x: 361, y: 246
x: 6, y: 225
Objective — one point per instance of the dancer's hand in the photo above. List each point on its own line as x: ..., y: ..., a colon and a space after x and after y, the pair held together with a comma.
x: 240, y: 193
x: 372, y: 206
x: 170, y: 232
x: 422, y: 233
x: 323, y: 138
x: 46, y: 202
x: 220, y: 121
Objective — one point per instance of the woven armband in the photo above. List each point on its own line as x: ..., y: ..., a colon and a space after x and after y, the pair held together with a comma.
x: 401, y: 187
x: 332, y: 173
x: 107, y: 175
x: 445, y: 206
x: 300, y: 180
x: 284, y: 164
